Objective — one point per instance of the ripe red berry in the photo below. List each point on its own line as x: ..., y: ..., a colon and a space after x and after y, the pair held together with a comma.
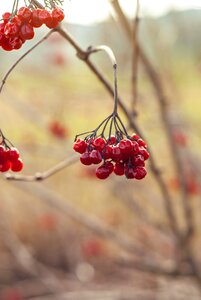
x: 6, y: 16
x: 99, y: 143
x: 116, y: 153
x: 119, y: 168
x: 13, y: 154
x: 136, y: 147
x: 16, y: 42
x: 135, y: 136
x: 58, y: 14
x: 129, y: 172
x: 112, y: 140
x: 102, y: 172
x: 51, y: 23
x: 109, y: 165
x: 26, y: 32
x: 126, y: 146
x: 45, y: 16
x: 140, y: 173
x: 96, y: 157
x: 11, y: 29
x: 5, y: 166
x: 35, y: 20
x: 144, y: 153
x: 25, y: 14
x: 80, y: 146
x: 5, y: 44
x: 142, y: 143
x: 138, y: 160
x: 17, y: 165
x: 107, y: 152
x: 86, y: 159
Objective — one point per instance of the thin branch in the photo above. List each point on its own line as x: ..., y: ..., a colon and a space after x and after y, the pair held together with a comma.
x: 21, y: 58
x: 39, y: 176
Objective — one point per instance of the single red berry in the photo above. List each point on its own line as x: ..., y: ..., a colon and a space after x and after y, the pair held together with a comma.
x: 58, y: 14
x: 142, y: 143
x: 35, y: 19
x: 135, y: 136
x: 13, y: 154
x: 27, y: 32
x: 5, y: 166
x: 5, y: 44
x: 86, y: 159
x: 109, y: 165
x: 15, y: 42
x: 144, y: 153
x: 119, y: 168
x: 126, y: 146
x: 16, y: 20
x: 112, y: 140
x: 25, y: 14
x: 99, y: 143
x: 138, y: 160
x: 3, y: 154
x: 96, y: 157
x: 17, y: 165
x: 102, y: 172
x: 6, y: 16
x: 11, y: 29
x: 116, y: 153
x: 140, y: 173
x: 80, y: 146
x: 107, y: 152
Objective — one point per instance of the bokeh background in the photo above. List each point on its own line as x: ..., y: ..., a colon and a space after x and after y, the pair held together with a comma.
x: 72, y: 236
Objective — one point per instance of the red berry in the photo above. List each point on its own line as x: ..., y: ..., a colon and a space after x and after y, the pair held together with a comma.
x: 116, y: 153
x: 16, y: 20
x: 99, y: 143
x: 140, y: 173
x: 35, y: 20
x: 142, y: 143
x: 5, y: 44
x: 119, y: 168
x: 138, y: 160
x: 86, y: 159
x: 45, y: 16
x: 144, y: 153
x: 13, y: 154
x: 107, y: 152
x: 102, y: 172
x: 136, y: 148
x: 126, y: 146
x: 3, y: 154
x: 17, y: 165
x: 11, y: 29
x: 112, y: 140
x: 109, y: 165
x: 16, y: 42
x: 27, y: 32
x: 5, y: 166
x: 129, y: 172
x: 25, y: 14
x: 51, y: 23
x: 6, y: 16
x: 135, y: 136
x: 80, y: 146
x: 58, y: 14
x: 96, y: 157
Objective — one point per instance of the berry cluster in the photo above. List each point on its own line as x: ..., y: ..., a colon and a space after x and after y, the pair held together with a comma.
x: 10, y: 159
x: 16, y: 29
x: 118, y: 155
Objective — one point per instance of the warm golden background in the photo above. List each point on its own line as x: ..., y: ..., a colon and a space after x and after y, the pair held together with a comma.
x: 73, y: 236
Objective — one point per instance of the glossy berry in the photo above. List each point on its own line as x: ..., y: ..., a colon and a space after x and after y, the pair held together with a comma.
x: 17, y: 165
x: 36, y: 21
x: 86, y: 159
x: 119, y: 168
x: 11, y: 29
x: 129, y: 172
x: 4, y: 167
x: 99, y: 143
x: 116, y: 153
x: 140, y: 173
x: 13, y: 154
x: 45, y: 16
x: 107, y: 152
x: 27, y: 32
x: 96, y: 157
x: 58, y: 14
x: 102, y: 172
x: 80, y: 146
x: 25, y: 14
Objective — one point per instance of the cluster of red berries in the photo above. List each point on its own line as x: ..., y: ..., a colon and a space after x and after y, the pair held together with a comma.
x: 121, y: 157
x: 15, y: 30
x: 10, y: 159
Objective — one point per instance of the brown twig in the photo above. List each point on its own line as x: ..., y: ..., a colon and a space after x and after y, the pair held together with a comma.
x: 39, y: 176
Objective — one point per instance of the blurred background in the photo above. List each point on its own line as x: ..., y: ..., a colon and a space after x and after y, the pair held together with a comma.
x: 73, y: 236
